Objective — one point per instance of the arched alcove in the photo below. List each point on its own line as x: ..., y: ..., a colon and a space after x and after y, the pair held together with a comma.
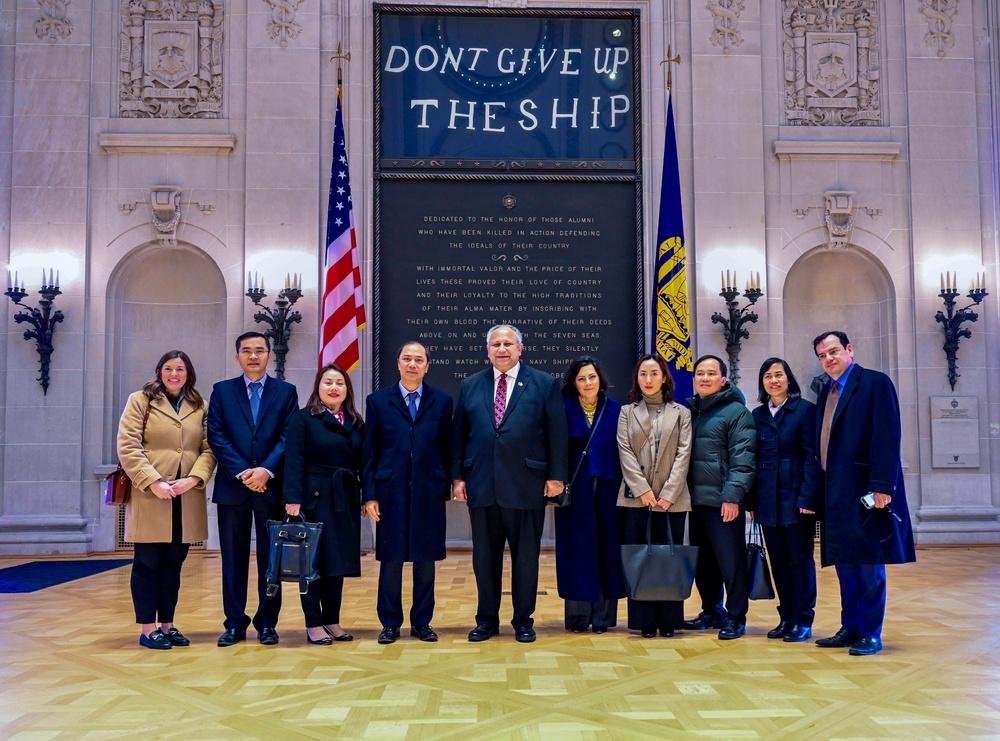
x: 838, y: 289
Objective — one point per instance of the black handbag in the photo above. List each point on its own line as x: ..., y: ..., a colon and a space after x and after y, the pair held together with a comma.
x: 655, y: 571
x: 566, y: 498
x: 294, y: 550
x: 758, y: 574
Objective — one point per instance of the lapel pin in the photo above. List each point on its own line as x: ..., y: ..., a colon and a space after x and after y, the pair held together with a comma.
x: 520, y: 383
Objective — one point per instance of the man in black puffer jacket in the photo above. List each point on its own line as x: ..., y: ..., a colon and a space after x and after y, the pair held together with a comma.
x: 723, y: 466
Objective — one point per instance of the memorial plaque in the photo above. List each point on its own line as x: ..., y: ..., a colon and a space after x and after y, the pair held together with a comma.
x: 954, y: 432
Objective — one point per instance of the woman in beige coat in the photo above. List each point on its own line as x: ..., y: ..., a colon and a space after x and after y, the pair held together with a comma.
x: 163, y: 447
x: 654, y: 447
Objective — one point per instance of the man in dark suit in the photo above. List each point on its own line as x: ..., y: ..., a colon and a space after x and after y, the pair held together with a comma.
x: 510, y: 451
x: 405, y: 483
x: 865, y: 520
x: 247, y: 417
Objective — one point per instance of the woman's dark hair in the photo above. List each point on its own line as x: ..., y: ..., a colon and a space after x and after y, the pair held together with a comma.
x: 569, y: 382
x: 794, y: 392
x: 155, y: 388
x: 316, y: 406
x: 635, y: 393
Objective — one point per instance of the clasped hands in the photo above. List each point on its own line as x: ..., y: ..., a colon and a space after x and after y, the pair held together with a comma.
x: 255, y: 479
x: 651, y: 500
x: 553, y: 488
x: 170, y: 489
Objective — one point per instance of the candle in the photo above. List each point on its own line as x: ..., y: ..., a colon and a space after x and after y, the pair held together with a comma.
x: 942, y: 281
x: 52, y: 281
x: 728, y: 282
x: 298, y: 281
x: 288, y: 281
x: 250, y: 281
x: 57, y: 279
x: 8, y: 280
x: 255, y: 280
x: 722, y: 280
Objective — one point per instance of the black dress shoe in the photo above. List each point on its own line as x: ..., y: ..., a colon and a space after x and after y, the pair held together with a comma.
x: 324, y: 641
x: 483, y: 632
x: 267, y: 636
x: 600, y: 629
x: 342, y: 637
x: 732, y: 630
x: 649, y: 634
x: 524, y: 634
x: 866, y: 646
x: 703, y: 622
x: 388, y: 635
x: 577, y: 629
x: 232, y: 636
x: 175, y: 637
x: 779, y: 630
x: 155, y: 640
x: 424, y: 633
x: 667, y: 632
x: 842, y: 639
x: 797, y: 634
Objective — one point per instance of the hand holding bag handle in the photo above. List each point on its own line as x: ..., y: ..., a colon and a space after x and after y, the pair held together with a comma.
x: 566, y: 498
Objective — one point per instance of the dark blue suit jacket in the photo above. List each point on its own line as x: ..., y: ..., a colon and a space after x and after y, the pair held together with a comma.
x: 239, y: 445
x: 406, y: 469
x: 510, y: 464
x: 787, y: 471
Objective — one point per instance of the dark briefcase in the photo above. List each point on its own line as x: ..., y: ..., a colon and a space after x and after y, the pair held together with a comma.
x: 293, y: 553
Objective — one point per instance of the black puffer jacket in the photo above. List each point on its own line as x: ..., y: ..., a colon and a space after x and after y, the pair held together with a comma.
x: 723, y: 456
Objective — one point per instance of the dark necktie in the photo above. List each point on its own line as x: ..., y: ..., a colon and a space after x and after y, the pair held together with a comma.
x: 411, y: 404
x: 500, y: 402
x: 832, y: 399
x: 255, y: 399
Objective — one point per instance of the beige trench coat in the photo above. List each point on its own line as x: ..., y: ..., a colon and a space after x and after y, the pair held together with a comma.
x: 667, y: 475
x: 171, y: 440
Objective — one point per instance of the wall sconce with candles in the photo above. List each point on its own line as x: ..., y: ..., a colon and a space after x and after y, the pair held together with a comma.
x: 280, y: 318
x: 732, y: 322
x: 953, y: 320
x: 43, y: 319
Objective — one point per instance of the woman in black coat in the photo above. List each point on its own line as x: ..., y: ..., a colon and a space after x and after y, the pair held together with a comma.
x: 322, y: 464
x: 785, y: 495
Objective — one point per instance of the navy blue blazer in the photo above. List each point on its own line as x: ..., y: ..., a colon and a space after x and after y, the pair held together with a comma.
x: 787, y: 472
x: 406, y: 469
x: 863, y: 456
x: 510, y: 464
x: 240, y: 445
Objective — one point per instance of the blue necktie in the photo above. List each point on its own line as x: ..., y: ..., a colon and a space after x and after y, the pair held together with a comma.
x: 255, y: 399
x: 411, y: 403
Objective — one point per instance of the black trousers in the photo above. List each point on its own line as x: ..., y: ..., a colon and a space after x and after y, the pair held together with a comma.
x: 156, y: 575
x: 235, y: 523
x: 722, y: 560
x: 321, y: 604
x: 652, y: 615
x: 390, y: 593
x: 581, y: 615
x: 790, y: 552
x: 522, y: 528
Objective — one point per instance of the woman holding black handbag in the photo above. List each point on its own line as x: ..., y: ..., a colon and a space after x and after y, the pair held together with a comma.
x: 654, y: 446
x: 588, y: 566
x: 322, y: 465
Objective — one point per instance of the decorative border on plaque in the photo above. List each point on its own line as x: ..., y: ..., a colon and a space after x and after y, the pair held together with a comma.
x: 53, y: 23
x: 939, y: 15
x: 726, y: 19
x: 282, y: 26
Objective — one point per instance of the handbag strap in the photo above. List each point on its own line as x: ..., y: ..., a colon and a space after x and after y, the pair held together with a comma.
x: 586, y: 447
x: 274, y: 572
x: 145, y: 418
x: 649, y: 532
x: 756, y: 535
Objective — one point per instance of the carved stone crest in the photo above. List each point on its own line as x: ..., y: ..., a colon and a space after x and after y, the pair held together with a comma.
x: 165, y: 213
x: 53, y: 23
x: 939, y: 15
x: 725, y: 21
x: 282, y: 26
x: 171, y: 59
x: 839, y: 216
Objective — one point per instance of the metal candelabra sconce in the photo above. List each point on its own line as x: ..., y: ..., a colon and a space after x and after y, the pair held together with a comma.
x: 43, y: 319
x: 953, y: 320
x: 280, y: 318
x: 732, y: 322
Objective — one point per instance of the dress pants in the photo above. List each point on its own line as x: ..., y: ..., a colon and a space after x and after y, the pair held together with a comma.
x: 862, y: 598
x: 652, y: 615
x: 321, y: 604
x: 235, y: 523
x: 390, y: 593
x: 156, y: 574
x: 722, y: 559
x: 522, y: 529
x: 581, y: 615
x: 791, y: 551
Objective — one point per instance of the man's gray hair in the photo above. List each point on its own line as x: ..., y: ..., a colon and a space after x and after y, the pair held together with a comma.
x: 512, y: 328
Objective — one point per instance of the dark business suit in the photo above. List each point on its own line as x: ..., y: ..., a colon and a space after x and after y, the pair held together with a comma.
x: 505, y: 468
x: 863, y: 456
x: 239, y: 444
x: 406, y: 464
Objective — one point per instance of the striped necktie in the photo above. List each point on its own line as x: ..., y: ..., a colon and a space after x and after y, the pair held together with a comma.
x: 500, y: 402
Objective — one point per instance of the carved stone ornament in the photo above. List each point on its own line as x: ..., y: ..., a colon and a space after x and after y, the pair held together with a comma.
x: 832, y: 63
x: 939, y: 15
x: 53, y: 23
x: 282, y: 25
x: 839, y: 216
x: 726, y: 17
x: 171, y: 59
x: 165, y: 213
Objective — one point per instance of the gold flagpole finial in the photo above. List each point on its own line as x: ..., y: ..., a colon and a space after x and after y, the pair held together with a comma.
x: 668, y: 61
x: 340, y: 56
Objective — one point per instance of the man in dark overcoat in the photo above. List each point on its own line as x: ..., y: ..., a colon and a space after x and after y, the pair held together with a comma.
x: 405, y: 480
x: 510, y: 451
x: 865, y: 520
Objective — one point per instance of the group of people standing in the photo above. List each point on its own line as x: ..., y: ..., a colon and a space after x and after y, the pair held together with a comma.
x: 514, y: 440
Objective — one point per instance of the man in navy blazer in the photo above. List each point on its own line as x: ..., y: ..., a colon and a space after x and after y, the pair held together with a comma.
x: 247, y: 417
x: 865, y: 520
x: 405, y: 482
x: 510, y: 451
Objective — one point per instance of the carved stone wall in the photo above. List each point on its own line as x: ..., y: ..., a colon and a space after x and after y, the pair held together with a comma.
x: 832, y: 63
x: 171, y: 59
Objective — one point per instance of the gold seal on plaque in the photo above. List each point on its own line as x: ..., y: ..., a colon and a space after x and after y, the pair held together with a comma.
x: 508, y: 201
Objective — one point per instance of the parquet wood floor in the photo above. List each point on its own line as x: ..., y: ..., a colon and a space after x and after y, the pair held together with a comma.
x: 70, y: 668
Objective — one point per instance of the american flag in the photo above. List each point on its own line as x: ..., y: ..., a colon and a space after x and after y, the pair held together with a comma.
x: 343, y: 300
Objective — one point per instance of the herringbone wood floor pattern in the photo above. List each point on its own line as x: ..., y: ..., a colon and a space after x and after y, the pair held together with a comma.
x: 71, y: 669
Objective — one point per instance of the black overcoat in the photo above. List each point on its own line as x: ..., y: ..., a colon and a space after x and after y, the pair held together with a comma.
x: 787, y: 472
x: 322, y: 463
x: 406, y: 470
